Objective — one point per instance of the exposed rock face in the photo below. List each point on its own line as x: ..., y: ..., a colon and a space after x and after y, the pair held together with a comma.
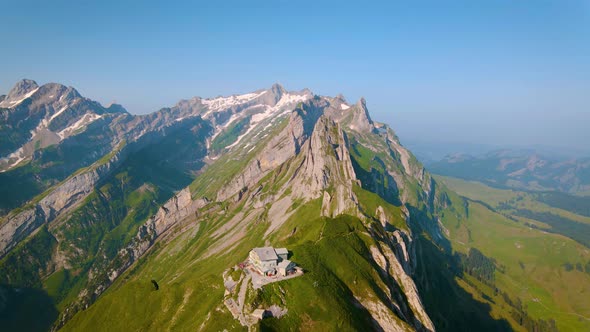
x: 327, y: 162
x: 390, y: 264
x: 324, y: 169
x: 384, y: 319
x: 175, y: 210
x: 20, y: 91
x: 283, y: 146
x: 361, y: 121
x: 17, y: 226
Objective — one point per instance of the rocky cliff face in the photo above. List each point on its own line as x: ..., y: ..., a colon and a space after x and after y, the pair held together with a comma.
x: 18, y: 225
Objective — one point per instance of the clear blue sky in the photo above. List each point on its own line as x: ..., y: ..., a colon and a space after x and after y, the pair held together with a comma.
x: 488, y: 71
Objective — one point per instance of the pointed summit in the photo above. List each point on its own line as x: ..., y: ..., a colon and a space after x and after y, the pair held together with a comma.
x: 341, y: 98
x: 23, y: 87
x: 361, y: 120
x: 362, y: 103
x: 116, y: 108
x: 274, y: 94
x: 21, y: 90
x: 278, y: 89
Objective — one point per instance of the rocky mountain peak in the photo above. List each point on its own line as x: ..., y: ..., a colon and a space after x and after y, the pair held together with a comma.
x: 72, y: 93
x: 340, y: 97
x: 52, y: 92
x: 362, y: 104
x: 116, y: 108
x: 22, y: 87
x: 278, y: 89
x: 21, y: 90
x: 361, y: 120
x: 273, y: 95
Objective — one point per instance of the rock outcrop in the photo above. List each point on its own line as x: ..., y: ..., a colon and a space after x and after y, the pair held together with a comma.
x: 22, y: 89
x: 179, y: 207
x: 391, y: 264
x: 327, y: 163
x: 19, y: 225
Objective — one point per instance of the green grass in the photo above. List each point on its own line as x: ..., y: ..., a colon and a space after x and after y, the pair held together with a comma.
x: 530, y: 261
x: 478, y: 191
x: 369, y: 203
x: 230, y: 134
x: 576, y: 204
x: 21, y: 185
x: 111, y: 154
x: 55, y: 283
x: 336, y: 268
x: 228, y: 166
x: 506, y: 199
x: 181, y: 274
x: 333, y: 252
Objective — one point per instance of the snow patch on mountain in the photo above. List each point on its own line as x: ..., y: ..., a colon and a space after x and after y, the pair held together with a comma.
x: 344, y: 107
x: 220, y: 128
x: 272, y: 112
x: 18, y: 154
x: 87, y: 119
x: 286, y: 99
x: 222, y: 103
x: 57, y: 113
x: 13, y: 103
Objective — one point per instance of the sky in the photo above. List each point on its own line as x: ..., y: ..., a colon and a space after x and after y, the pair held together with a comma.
x: 493, y: 72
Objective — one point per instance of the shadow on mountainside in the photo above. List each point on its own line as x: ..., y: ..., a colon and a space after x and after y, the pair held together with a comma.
x: 26, y: 309
x: 449, y: 306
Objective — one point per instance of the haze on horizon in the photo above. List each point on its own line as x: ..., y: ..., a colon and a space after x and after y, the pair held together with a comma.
x: 495, y: 73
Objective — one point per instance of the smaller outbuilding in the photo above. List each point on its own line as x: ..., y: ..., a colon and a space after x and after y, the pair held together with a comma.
x: 283, y: 253
x: 259, y: 313
x: 286, y: 267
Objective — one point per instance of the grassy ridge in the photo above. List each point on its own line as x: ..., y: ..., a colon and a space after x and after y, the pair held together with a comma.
x: 337, y: 267
x: 192, y: 293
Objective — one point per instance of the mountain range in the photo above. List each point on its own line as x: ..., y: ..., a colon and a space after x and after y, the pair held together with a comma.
x: 99, y: 204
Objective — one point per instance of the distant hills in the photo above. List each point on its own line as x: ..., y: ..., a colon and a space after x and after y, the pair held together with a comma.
x: 526, y: 170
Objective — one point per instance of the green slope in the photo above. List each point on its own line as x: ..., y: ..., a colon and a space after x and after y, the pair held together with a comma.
x: 59, y: 257
x: 529, y: 262
x: 333, y: 252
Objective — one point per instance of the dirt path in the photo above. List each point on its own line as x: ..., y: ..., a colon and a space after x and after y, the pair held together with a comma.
x: 525, y: 289
x: 242, y: 299
x: 561, y: 312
